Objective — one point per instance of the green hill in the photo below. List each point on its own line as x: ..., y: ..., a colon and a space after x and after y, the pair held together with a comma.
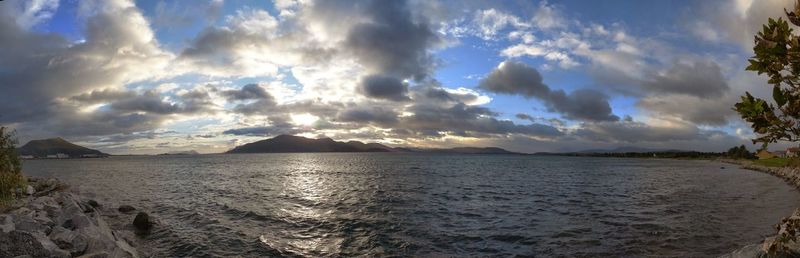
x: 53, y: 146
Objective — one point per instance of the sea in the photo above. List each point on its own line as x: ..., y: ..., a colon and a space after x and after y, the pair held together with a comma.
x: 432, y: 205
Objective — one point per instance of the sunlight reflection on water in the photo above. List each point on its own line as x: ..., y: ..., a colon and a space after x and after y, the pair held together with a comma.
x: 434, y: 205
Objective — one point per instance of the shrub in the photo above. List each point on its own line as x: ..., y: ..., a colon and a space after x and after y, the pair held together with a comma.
x: 11, y: 178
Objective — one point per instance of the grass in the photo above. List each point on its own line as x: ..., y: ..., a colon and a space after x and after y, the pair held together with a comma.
x: 772, y: 162
x: 9, y: 183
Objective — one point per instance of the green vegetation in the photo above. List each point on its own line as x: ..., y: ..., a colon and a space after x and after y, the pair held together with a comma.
x: 11, y: 178
x: 777, y: 54
x: 740, y: 152
x: 663, y: 155
x: 772, y: 162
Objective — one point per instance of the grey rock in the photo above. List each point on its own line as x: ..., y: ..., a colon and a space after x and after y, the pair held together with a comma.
x: 748, y: 251
x: 22, y: 212
x: 78, y: 221
x: 29, y: 224
x: 6, y: 223
x: 17, y: 243
x: 124, y: 250
x: 143, y: 221
x: 52, y: 210
x: 86, y: 207
x: 42, y: 218
x: 126, y: 208
x: 68, y: 240
x: 29, y: 190
x: 95, y: 255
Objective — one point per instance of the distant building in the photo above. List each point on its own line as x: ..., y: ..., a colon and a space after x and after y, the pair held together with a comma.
x: 780, y: 154
x: 792, y: 152
x: 27, y: 157
x: 51, y: 156
x: 764, y: 154
x: 62, y: 156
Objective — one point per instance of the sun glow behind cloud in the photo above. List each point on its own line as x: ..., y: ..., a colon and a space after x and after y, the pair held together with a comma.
x: 304, y: 119
x: 421, y: 73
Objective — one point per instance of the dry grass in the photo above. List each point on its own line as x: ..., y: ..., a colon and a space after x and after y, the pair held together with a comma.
x: 10, y: 183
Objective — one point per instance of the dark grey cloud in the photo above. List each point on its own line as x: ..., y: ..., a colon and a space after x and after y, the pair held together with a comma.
x: 45, y: 75
x: 383, y: 87
x: 635, y: 132
x: 264, y: 106
x: 369, y: 114
x: 148, y: 102
x: 433, y: 92
x: 464, y: 120
x: 714, y: 111
x: 262, y: 131
x: 247, y: 92
x: 696, y: 78
x: 525, y: 117
x: 520, y: 79
x: 581, y: 104
x: 102, y: 96
x: 392, y: 42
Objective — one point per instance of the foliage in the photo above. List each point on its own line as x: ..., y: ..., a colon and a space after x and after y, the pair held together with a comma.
x: 11, y: 178
x: 777, y: 55
x: 740, y: 152
x: 793, y: 162
x: 772, y: 162
x: 666, y: 155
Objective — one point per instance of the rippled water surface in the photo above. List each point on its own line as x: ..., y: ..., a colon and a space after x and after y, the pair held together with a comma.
x: 344, y: 204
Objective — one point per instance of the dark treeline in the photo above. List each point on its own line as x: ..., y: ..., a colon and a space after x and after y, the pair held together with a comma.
x: 671, y: 155
x: 739, y: 152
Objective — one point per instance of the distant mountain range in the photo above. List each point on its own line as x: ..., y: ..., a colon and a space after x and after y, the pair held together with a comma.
x: 290, y: 143
x: 189, y: 152
x: 56, y: 146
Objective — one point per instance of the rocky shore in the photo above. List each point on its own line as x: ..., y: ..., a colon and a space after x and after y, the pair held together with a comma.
x: 786, y: 243
x: 50, y: 221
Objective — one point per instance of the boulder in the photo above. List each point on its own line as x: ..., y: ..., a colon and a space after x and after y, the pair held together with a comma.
x: 16, y: 243
x: 124, y: 250
x: 24, y: 223
x: 95, y: 255
x: 51, y: 247
x: 6, y: 223
x: 126, y: 208
x: 143, y: 221
x: 29, y: 190
x: 68, y: 240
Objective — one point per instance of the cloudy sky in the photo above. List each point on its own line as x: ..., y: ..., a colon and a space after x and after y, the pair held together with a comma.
x: 154, y: 76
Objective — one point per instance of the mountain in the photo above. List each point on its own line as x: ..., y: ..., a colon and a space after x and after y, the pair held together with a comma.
x: 53, y: 146
x: 627, y: 149
x: 189, y: 152
x: 289, y: 143
x: 460, y: 150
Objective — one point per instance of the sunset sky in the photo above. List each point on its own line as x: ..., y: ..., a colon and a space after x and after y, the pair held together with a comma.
x: 156, y: 76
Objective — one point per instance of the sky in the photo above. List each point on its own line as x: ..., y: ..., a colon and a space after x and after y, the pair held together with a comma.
x: 145, y: 77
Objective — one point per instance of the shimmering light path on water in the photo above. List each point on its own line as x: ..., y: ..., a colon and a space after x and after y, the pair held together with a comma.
x: 422, y: 205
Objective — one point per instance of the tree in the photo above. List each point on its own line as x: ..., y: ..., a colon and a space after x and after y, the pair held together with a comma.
x: 740, y: 152
x: 11, y: 178
x: 777, y: 54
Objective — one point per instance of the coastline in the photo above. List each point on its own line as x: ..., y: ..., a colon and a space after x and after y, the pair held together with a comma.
x: 780, y: 243
x: 50, y: 221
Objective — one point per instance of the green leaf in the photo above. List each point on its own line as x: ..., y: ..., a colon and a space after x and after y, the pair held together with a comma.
x: 777, y: 95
